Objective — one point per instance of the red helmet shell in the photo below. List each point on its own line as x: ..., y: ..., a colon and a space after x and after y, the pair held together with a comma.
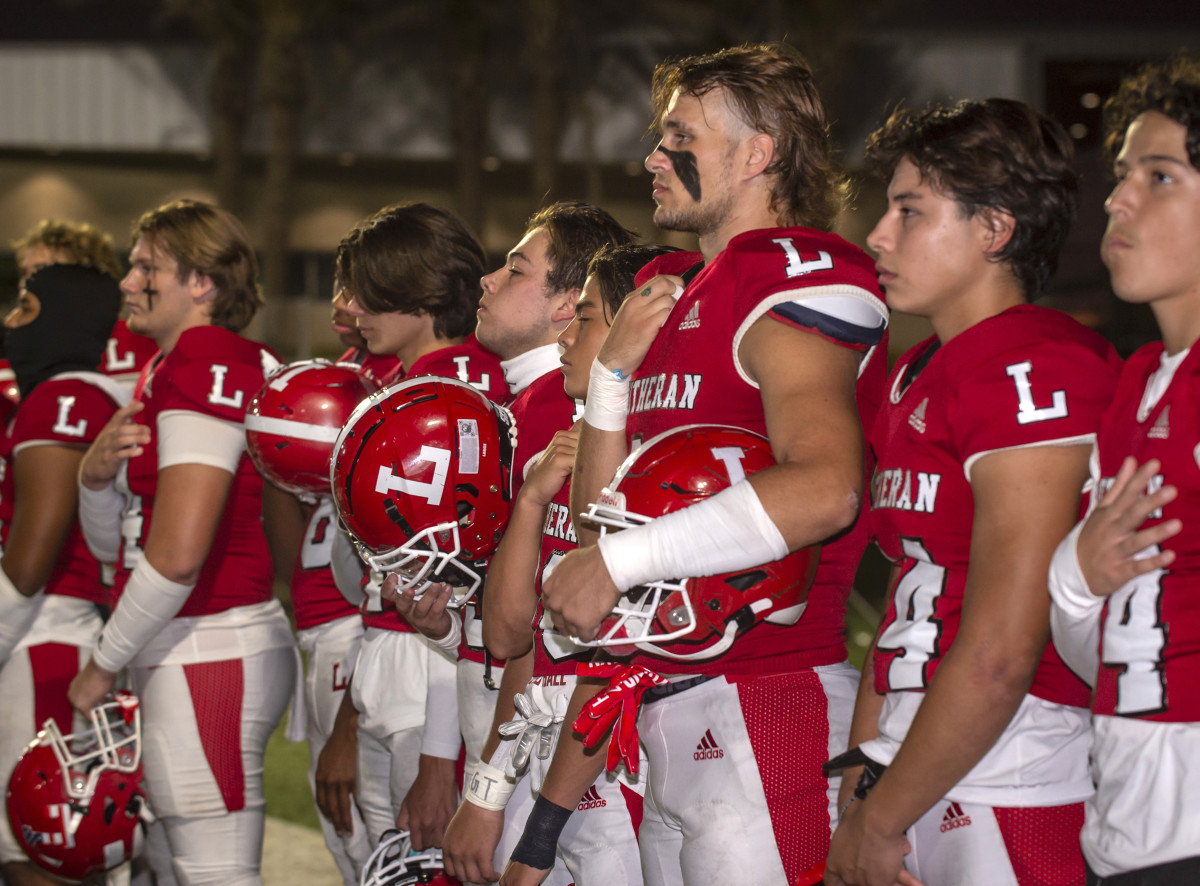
x: 420, y: 479
x: 672, y: 471
x: 75, y: 803
x: 295, y: 418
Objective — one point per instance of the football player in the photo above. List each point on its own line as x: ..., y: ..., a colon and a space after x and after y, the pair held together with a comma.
x: 56, y: 240
x: 1124, y: 581
x: 50, y: 584
x: 538, y: 534
x: 981, y: 456
x: 408, y: 277
x: 772, y: 328
x: 169, y: 494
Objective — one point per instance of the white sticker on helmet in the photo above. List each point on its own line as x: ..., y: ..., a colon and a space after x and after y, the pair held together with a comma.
x: 468, y: 446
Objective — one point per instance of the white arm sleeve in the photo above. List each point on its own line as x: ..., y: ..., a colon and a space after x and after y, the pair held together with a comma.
x: 347, y: 568
x: 193, y: 438
x: 149, y: 602
x: 724, y: 533
x: 1074, y: 611
x: 100, y: 521
x: 442, y: 738
x: 17, y: 613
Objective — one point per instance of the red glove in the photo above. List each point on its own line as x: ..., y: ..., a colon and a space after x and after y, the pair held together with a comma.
x: 616, y: 708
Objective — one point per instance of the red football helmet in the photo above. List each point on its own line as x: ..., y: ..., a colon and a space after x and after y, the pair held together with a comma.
x: 420, y: 480
x: 293, y: 421
x: 394, y: 863
x: 75, y: 802
x: 676, y: 469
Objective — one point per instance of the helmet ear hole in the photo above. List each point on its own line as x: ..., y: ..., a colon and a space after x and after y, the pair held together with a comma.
x: 744, y: 581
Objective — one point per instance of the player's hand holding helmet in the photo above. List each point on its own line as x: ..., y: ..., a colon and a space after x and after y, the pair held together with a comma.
x: 394, y: 863
x: 670, y: 472
x: 420, y: 480
x: 75, y: 802
x: 295, y: 418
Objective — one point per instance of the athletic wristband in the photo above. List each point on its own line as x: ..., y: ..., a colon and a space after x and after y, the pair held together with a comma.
x: 539, y: 842
x: 149, y: 602
x: 17, y: 613
x: 727, y: 532
x: 607, y: 403
x: 100, y: 521
x: 489, y: 788
x: 449, y: 643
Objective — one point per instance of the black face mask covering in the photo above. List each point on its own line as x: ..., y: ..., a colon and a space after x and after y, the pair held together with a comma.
x: 79, y: 308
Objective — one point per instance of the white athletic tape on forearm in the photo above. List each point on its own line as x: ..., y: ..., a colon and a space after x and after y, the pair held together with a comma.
x: 149, y: 602
x: 607, y: 404
x: 100, y: 520
x: 727, y: 532
x: 489, y: 788
x: 17, y: 613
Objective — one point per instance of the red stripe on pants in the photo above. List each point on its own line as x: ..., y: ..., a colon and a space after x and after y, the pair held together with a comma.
x: 217, y: 688
x: 787, y: 719
x: 54, y: 666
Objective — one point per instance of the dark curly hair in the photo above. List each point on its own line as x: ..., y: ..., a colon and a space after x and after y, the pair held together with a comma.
x: 1172, y: 88
x: 414, y: 258
x: 771, y: 89
x: 614, y: 268
x: 997, y: 154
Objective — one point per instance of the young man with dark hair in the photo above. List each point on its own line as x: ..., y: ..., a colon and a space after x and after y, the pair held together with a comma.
x: 981, y: 457
x: 1125, y: 581
x: 408, y: 277
x: 775, y: 324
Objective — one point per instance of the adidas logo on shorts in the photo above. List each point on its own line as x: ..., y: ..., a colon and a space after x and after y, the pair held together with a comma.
x: 708, y: 749
x: 954, y: 818
x: 591, y: 800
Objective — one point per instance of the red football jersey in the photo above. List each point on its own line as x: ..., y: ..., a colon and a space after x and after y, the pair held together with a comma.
x: 553, y: 654
x: 212, y: 372
x: 1027, y: 377
x: 126, y: 354
x: 374, y: 366
x: 1150, y: 628
x: 814, y: 281
x: 69, y: 409
x: 315, y: 595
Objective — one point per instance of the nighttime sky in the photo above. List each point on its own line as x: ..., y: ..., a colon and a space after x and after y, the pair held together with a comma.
x: 136, y: 20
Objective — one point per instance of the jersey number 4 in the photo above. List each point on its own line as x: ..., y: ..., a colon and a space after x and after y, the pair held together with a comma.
x: 1134, y: 640
x: 915, y: 631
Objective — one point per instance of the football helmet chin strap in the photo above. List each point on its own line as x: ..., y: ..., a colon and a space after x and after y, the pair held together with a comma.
x: 419, y: 564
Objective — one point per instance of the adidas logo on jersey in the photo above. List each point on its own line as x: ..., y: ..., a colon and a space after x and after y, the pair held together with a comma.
x: 692, y: 320
x: 1162, y: 427
x: 917, y: 418
x: 708, y: 749
x: 954, y: 818
x: 591, y: 800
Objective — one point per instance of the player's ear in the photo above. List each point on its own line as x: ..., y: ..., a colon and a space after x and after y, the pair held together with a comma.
x: 760, y: 153
x: 201, y: 287
x: 562, y: 305
x: 998, y: 227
